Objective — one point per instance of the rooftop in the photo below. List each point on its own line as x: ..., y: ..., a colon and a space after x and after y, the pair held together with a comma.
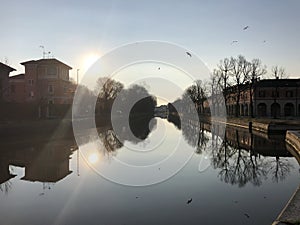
x: 19, y: 76
x: 46, y: 61
x: 6, y: 67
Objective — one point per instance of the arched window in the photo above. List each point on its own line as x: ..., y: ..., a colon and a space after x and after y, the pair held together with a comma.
x: 262, y: 109
x: 275, y: 110
x: 289, y: 109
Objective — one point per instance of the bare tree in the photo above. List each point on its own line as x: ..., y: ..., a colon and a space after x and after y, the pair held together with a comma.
x: 198, y: 94
x: 279, y: 73
x: 225, y: 67
x: 240, y: 74
x: 109, y: 88
x: 217, y: 84
x: 257, y: 71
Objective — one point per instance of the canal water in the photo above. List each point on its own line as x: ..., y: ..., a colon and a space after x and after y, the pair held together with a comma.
x: 234, y: 178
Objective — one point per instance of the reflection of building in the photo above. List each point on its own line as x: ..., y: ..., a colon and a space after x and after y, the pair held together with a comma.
x: 5, y: 174
x: 48, y: 163
x: 241, y: 138
x: 270, y: 98
x: 4, y: 84
x: 161, y: 111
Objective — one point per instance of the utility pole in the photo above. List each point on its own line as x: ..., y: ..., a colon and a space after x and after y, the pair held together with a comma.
x: 77, y: 76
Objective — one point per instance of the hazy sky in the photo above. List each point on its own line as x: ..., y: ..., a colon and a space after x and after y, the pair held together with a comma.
x: 76, y: 32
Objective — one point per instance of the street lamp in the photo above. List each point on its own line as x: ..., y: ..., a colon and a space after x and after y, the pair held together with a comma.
x: 77, y: 76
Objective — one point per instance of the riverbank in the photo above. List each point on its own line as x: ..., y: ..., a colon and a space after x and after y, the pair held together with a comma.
x: 265, y: 125
x: 291, y: 212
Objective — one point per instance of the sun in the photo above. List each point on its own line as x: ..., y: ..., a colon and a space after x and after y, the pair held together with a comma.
x: 88, y: 60
x: 93, y: 158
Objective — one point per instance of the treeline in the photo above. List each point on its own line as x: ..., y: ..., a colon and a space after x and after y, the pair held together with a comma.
x: 110, y: 93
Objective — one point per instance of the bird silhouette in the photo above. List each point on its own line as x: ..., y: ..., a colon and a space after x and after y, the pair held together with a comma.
x: 189, y: 54
x: 235, y: 41
x: 264, y: 41
x: 189, y: 201
x: 158, y: 68
x: 246, y: 27
x: 246, y: 215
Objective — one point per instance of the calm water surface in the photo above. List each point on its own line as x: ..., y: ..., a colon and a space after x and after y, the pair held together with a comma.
x: 241, y: 178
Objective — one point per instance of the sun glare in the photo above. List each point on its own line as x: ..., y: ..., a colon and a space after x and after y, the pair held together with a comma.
x: 88, y: 60
x: 93, y: 158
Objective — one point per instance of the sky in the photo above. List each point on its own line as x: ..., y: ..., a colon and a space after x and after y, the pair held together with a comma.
x: 78, y: 32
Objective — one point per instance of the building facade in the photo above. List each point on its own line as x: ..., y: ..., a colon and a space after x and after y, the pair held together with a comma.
x: 17, y: 88
x: 4, y: 81
x: 277, y: 98
x: 273, y: 98
x: 44, y: 89
x: 47, y: 81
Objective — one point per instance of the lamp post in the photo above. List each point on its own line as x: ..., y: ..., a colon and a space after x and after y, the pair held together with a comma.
x: 77, y: 76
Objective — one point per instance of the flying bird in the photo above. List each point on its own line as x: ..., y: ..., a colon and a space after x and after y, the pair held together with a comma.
x: 264, y: 41
x: 235, y: 41
x: 246, y: 215
x: 158, y: 68
x: 246, y: 27
x: 189, y: 201
x: 189, y: 54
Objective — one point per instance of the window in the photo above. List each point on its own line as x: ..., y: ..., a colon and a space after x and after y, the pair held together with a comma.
x: 289, y: 94
x: 65, y: 89
x: 52, y: 70
x: 12, y: 88
x: 30, y: 82
x: 262, y: 94
x: 31, y: 94
x: 50, y: 89
x: 64, y: 74
x: 275, y: 94
x: 50, y: 102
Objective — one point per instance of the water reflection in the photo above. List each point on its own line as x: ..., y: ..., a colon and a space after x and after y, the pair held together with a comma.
x: 46, y: 163
x: 240, y: 157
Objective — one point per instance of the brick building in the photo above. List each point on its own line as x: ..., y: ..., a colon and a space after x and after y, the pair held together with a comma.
x: 278, y: 98
x: 274, y: 98
x: 4, y: 81
x: 45, y: 86
x: 17, y: 88
x: 47, y: 80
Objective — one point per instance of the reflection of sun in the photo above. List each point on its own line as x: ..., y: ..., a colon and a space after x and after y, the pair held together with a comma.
x: 88, y: 60
x: 93, y: 158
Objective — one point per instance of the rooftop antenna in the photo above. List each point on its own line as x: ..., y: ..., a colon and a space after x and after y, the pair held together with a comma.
x: 44, y: 53
x: 49, y: 54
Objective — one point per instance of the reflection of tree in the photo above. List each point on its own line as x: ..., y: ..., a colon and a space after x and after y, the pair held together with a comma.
x: 110, y: 140
x: 6, y: 186
x: 280, y: 168
x: 140, y: 127
x: 195, y: 135
x: 239, y: 166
